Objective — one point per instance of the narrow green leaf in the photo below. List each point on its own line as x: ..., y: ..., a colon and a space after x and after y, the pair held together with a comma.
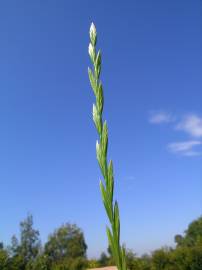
x: 111, y: 180
x: 97, y: 119
x: 123, y: 263
x: 113, y: 247
x: 92, y: 80
x: 98, y: 64
x: 106, y: 201
x: 104, y: 139
x: 100, y: 98
x: 117, y: 220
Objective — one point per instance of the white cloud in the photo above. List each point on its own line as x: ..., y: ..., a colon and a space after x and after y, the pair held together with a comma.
x: 192, y: 124
x: 192, y: 153
x: 185, y: 148
x: 160, y: 117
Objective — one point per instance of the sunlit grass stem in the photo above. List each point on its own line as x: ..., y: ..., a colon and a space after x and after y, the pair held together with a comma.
x: 106, y: 186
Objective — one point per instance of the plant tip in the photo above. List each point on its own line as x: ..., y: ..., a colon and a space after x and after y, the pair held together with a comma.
x: 92, y: 28
x: 93, y: 34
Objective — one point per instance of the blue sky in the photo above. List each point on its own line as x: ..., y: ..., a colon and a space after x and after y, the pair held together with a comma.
x: 152, y: 84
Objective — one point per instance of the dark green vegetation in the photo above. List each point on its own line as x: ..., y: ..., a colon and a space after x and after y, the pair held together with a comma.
x: 187, y: 255
x: 65, y: 249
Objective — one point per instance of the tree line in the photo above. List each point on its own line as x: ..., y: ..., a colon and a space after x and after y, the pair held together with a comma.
x: 66, y: 249
x: 187, y: 254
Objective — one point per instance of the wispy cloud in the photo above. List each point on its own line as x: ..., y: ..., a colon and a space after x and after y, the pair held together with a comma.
x: 185, y: 148
x: 192, y: 153
x: 191, y: 124
x: 160, y: 117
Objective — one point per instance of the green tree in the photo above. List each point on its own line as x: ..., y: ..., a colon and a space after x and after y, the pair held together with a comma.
x: 187, y: 258
x: 192, y: 236
x: 24, y: 252
x: 195, y: 256
x: 179, y: 258
x: 29, y: 240
x: 161, y: 259
x: 131, y: 260
x: 93, y: 263
x: 40, y: 263
x: 16, y: 261
x: 104, y: 259
x: 14, y: 248
x: 146, y: 262
x: 4, y: 257
x: 67, y: 242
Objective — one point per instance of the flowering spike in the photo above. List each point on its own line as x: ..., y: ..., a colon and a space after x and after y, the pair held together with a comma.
x: 93, y: 34
x: 107, y: 189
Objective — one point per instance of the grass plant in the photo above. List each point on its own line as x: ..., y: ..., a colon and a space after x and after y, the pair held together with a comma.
x: 107, y: 185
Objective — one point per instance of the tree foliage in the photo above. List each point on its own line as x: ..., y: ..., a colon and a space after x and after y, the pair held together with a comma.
x: 66, y: 246
x: 29, y: 240
x: 3, y: 259
x: 66, y: 249
x: 66, y: 242
x: 192, y: 236
x: 186, y: 256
